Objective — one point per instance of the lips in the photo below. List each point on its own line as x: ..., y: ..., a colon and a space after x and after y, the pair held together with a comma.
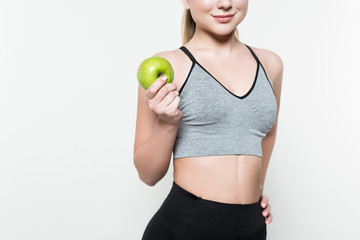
x: 223, y: 18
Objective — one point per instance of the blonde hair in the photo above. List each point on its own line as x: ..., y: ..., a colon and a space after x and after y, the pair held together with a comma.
x: 188, y: 27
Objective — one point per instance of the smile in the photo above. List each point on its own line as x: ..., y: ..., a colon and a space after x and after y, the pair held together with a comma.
x: 223, y: 18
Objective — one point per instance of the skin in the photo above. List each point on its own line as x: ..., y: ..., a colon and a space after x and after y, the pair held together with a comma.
x: 227, y: 178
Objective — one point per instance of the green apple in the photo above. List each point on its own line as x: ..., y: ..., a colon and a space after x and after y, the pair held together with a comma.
x: 152, y: 68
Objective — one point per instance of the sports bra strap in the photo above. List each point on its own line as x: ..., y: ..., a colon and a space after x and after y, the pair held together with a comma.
x: 187, y: 52
x: 252, y: 52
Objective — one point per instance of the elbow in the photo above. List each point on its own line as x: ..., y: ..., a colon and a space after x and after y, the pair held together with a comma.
x: 150, y: 181
x: 150, y: 172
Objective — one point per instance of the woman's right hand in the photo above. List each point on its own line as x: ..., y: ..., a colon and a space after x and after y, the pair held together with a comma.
x: 164, y: 100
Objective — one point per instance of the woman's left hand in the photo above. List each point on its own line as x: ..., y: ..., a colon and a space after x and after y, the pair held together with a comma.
x: 266, y: 213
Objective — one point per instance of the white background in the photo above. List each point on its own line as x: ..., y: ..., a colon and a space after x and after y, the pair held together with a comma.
x: 68, y: 98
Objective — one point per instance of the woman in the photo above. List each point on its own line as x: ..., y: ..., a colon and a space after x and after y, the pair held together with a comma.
x: 220, y: 123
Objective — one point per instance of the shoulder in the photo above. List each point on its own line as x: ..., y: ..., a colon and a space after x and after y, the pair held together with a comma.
x: 175, y: 56
x: 272, y: 63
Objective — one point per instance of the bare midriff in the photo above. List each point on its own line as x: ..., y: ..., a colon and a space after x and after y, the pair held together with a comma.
x: 225, y: 178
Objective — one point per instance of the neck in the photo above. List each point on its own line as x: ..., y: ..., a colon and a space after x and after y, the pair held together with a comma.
x: 206, y: 40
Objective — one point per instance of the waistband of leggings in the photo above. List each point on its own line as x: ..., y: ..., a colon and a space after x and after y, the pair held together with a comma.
x: 215, y: 204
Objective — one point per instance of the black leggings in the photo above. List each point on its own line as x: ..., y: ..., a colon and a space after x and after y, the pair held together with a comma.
x: 185, y: 216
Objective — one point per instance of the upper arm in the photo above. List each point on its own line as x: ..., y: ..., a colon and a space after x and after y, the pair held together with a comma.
x: 274, y: 67
x: 146, y: 118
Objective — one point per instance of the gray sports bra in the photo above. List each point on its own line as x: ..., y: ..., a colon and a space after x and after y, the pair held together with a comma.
x: 218, y: 122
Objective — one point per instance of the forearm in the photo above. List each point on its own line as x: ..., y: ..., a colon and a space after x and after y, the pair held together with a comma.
x: 152, y: 159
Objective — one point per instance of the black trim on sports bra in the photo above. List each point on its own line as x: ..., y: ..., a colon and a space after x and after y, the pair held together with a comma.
x: 252, y: 52
x: 187, y: 52
x: 192, y: 58
x: 183, y: 85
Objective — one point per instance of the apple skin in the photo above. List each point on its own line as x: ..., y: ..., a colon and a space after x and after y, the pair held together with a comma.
x: 151, y: 69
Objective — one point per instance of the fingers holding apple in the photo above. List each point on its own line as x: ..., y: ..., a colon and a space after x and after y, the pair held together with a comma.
x: 164, y: 101
x: 154, y: 88
x: 171, y: 113
x: 155, y: 75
